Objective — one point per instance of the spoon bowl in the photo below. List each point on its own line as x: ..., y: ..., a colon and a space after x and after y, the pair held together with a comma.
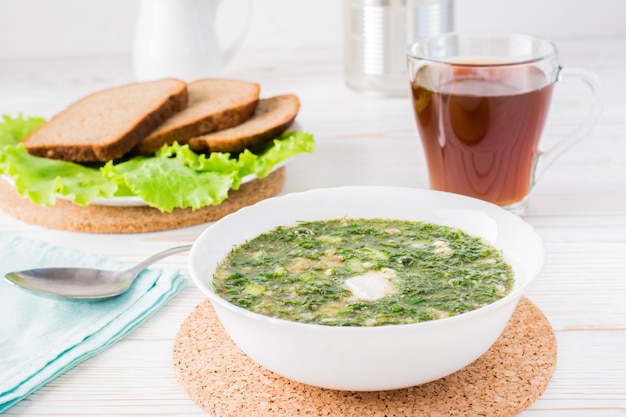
x: 83, y: 283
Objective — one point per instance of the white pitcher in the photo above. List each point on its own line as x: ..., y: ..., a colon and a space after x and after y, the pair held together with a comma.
x: 178, y: 38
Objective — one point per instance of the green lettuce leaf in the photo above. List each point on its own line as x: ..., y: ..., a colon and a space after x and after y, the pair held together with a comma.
x: 42, y: 180
x: 175, y: 177
x: 283, y: 148
x: 178, y: 177
x: 14, y: 130
x: 167, y: 183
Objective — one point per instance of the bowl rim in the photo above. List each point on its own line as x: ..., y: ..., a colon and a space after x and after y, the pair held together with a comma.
x: 512, y: 296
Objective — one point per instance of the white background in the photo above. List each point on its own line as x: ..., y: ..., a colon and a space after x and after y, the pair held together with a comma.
x: 35, y: 28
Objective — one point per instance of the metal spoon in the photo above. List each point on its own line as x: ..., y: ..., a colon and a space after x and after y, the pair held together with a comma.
x: 83, y: 283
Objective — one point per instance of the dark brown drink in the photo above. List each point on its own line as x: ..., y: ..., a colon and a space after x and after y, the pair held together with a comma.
x: 480, y: 128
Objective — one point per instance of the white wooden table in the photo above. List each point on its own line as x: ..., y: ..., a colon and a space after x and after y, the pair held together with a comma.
x: 578, y: 207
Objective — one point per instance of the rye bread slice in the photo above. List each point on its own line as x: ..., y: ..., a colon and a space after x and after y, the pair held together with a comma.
x: 214, y: 104
x: 272, y: 117
x: 107, y: 124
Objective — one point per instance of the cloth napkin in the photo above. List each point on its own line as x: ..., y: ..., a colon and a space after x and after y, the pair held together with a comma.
x: 41, y: 338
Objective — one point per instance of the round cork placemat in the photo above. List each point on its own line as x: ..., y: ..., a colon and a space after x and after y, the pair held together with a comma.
x: 66, y: 215
x: 222, y: 380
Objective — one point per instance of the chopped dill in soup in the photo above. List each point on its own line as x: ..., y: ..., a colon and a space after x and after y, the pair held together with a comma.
x: 363, y: 272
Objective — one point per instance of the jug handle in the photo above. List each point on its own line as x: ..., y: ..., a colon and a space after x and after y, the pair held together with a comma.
x: 229, y: 52
x: 546, y: 158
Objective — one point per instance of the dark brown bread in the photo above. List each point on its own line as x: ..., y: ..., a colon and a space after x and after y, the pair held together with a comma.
x: 272, y: 117
x: 214, y: 104
x: 109, y: 123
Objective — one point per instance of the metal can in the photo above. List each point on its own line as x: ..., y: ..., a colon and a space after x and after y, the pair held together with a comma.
x: 376, y: 35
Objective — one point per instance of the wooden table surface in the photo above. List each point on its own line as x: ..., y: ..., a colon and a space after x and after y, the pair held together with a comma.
x: 578, y: 207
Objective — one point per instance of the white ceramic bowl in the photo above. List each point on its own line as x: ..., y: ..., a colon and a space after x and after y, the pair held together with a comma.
x: 369, y: 358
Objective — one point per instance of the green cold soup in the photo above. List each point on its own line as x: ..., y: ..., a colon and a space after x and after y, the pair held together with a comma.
x: 363, y: 272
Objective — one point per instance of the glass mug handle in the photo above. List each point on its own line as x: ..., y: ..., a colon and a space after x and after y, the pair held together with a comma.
x: 547, y: 157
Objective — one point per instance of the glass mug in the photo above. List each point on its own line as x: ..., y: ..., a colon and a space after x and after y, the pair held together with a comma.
x: 481, y: 103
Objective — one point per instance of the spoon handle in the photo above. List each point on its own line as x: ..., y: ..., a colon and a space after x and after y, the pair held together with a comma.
x: 157, y: 257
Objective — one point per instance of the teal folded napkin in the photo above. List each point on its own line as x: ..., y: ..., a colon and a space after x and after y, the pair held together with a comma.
x: 40, y: 338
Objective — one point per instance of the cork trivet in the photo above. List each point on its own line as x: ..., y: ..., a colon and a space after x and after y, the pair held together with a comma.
x: 505, y: 380
x: 66, y: 215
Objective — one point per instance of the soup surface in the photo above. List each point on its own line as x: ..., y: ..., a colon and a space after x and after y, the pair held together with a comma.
x: 363, y: 272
